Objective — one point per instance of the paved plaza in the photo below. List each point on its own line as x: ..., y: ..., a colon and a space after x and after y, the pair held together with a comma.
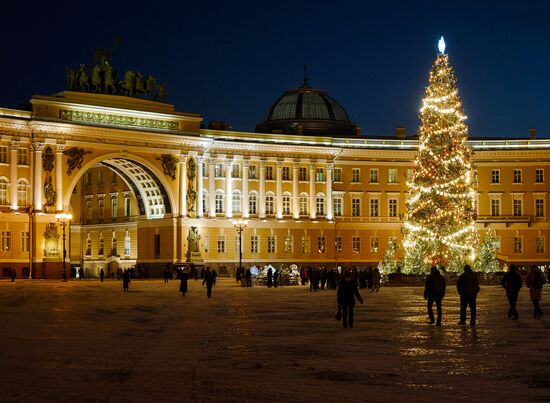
x: 84, y: 341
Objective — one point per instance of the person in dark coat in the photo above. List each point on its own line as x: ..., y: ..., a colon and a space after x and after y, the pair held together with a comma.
x: 275, y: 278
x: 248, y: 276
x: 184, y: 276
x: 209, y: 281
x: 512, y: 283
x: 101, y: 275
x: 346, y: 294
x: 126, y: 280
x: 434, y: 291
x: 269, y: 278
x: 534, y: 281
x: 468, y: 288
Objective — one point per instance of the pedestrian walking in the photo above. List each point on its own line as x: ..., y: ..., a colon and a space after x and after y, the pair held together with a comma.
x: 101, y: 275
x: 269, y: 278
x: 248, y: 277
x: 126, y: 280
x: 184, y: 276
x: 534, y: 281
x: 376, y: 279
x: 345, y: 296
x: 468, y: 288
x: 275, y: 278
x: 511, y: 282
x: 209, y: 281
x: 434, y: 291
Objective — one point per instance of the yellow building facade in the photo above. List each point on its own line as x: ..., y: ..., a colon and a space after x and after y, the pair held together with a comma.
x: 149, y: 188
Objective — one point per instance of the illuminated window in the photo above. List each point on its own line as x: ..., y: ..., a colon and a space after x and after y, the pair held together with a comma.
x: 305, y: 245
x: 22, y: 156
x: 392, y: 207
x: 101, y: 208
x: 114, y: 206
x: 337, y: 174
x: 236, y: 172
x: 219, y: 202
x: 221, y: 244
x: 254, y: 242
x: 320, y: 205
x: 409, y: 174
x: 356, y: 207
x: 253, y: 203
x: 338, y: 244
x: 304, y: 203
x: 517, y: 207
x: 269, y: 204
x: 517, y: 175
x: 25, y: 241
x: 3, y: 155
x: 114, y: 244
x: 22, y: 197
x: 3, y: 191
x: 539, y: 176
x: 518, y: 244
x: 288, y: 244
x: 302, y: 173
x: 286, y: 173
x: 374, y: 175
x: 540, y: 244
x: 236, y: 202
x: 269, y: 173
x: 392, y: 175
x: 6, y: 241
x: 374, y: 210
x: 286, y: 204
x: 495, y: 176
x: 219, y: 172
x: 88, y: 244
x: 321, y: 244
x: 495, y: 207
x: 101, y: 250
x: 319, y: 175
x: 271, y: 242
x: 355, y: 175
x: 356, y: 244
x: 337, y: 206
x: 127, y: 243
x: 252, y: 172
x: 374, y: 245
x: 539, y: 207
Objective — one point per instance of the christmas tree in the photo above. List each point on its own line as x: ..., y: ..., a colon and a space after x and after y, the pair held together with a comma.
x: 389, y: 265
x: 487, y: 261
x: 439, y: 224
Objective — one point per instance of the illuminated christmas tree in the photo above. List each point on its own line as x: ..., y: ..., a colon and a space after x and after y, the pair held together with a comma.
x: 439, y: 224
x: 487, y: 260
x: 389, y: 265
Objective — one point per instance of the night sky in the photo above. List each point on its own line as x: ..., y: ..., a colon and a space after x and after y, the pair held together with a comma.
x: 229, y: 61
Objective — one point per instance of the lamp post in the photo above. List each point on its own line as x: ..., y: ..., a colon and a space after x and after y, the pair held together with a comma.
x: 240, y: 225
x: 63, y: 219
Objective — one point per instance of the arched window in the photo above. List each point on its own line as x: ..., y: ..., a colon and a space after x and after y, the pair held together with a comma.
x: 304, y: 204
x: 286, y: 203
x: 219, y: 202
x: 269, y: 203
x: 320, y: 204
x: 236, y: 201
x: 3, y: 191
x: 253, y: 203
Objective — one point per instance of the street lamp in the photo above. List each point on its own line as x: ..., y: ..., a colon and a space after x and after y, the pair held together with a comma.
x: 240, y: 225
x: 63, y: 219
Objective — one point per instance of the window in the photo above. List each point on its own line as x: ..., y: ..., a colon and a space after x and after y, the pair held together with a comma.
x: 320, y: 205
x: 517, y: 175
x: 6, y: 241
x: 319, y: 175
x: 25, y: 241
x: 337, y: 174
x: 221, y: 244
x: 3, y: 155
x: 88, y: 179
x: 22, y: 156
x: 302, y: 173
x: 22, y: 193
x: 127, y: 243
x: 88, y: 210
x: 252, y: 172
x: 101, y: 208
x: 286, y: 204
x: 288, y: 244
x: 539, y: 176
x: 495, y: 176
x: 206, y: 244
x: 271, y: 241
x: 374, y: 175
x: 127, y: 207
x: 374, y: 207
x: 303, y: 205
x: 269, y: 173
x: 539, y: 207
x: 338, y: 244
x: 253, y: 203
x: 114, y: 206
x: 518, y: 244
x: 356, y: 207
x: 236, y: 171
x: 495, y: 207
x: 100, y: 252
x: 100, y: 178
x: 356, y: 244
x: 88, y: 245
x: 157, y: 246
x: 392, y: 207
x: 219, y: 172
x: 254, y: 244
x: 392, y: 175
x: 374, y: 244
x: 355, y: 175
x: 269, y: 204
x: 517, y: 207
x: 540, y: 244
x: 321, y: 244
x: 204, y: 202
x: 286, y: 173
x: 305, y: 245
x: 236, y: 202
x: 337, y: 206
x: 409, y: 174
x: 219, y: 203
x: 113, y: 244
x: 3, y: 191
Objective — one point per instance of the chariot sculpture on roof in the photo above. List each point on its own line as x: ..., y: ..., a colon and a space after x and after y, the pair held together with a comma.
x: 102, y: 79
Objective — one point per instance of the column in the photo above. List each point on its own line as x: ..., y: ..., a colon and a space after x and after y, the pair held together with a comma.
x: 38, y: 175
x: 312, y: 212
x: 14, y: 146
x: 212, y: 186
x: 183, y: 185
x: 59, y: 176
x: 228, y: 189
x: 295, y: 195
x: 328, y: 188
x: 200, y: 210
x: 244, y: 182
x: 279, y: 191
x: 262, y: 189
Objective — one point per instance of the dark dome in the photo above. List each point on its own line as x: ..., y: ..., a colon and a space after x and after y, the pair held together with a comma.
x: 306, y: 110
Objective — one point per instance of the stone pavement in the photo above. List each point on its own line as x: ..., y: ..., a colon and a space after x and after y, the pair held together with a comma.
x: 83, y: 341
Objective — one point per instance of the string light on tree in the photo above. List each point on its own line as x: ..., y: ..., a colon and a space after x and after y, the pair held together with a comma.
x: 439, y: 224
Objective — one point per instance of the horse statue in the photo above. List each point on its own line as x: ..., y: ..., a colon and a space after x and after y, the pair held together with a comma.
x: 83, y: 79
x: 71, y: 79
x: 96, y: 79
x: 149, y: 85
x: 109, y: 80
x: 139, y: 85
x: 161, y: 92
x: 127, y: 85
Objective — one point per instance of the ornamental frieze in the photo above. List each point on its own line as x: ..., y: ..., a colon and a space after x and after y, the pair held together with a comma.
x: 117, y: 120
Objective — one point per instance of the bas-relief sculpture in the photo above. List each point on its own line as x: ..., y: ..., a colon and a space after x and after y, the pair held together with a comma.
x: 47, y: 159
x: 169, y: 165
x: 75, y: 158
